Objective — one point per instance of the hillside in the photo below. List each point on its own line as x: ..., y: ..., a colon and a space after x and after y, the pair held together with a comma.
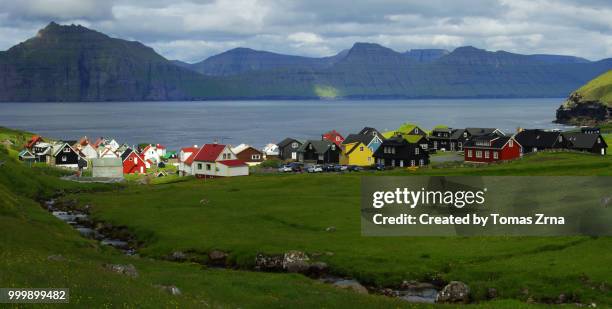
x: 73, y: 63
x: 591, y: 103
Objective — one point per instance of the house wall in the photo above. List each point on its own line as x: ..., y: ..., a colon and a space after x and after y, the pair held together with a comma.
x: 67, y: 158
x: 134, y: 165
x: 108, y: 168
x: 232, y: 171
x: 361, y: 156
x: 289, y: 152
x: 247, y: 155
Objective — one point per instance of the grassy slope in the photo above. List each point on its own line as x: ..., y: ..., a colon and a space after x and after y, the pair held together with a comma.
x: 599, y: 89
x: 274, y: 213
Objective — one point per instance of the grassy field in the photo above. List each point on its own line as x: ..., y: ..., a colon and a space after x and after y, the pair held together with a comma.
x: 273, y: 214
x: 276, y: 213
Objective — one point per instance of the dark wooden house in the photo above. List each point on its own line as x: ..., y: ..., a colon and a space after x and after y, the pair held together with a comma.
x: 537, y: 140
x: 66, y: 156
x: 403, y: 151
x: 320, y: 152
x: 445, y: 139
x: 288, y: 149
x: 593, y: 143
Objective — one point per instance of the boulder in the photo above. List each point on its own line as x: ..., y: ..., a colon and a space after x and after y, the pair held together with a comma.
x: 177, y: 256
x: 454, y: 292
x: 351, y: 285
x: 299, y: 258
x: 124, y: 269
x: 491, y: 293
x: 217, y: 257
x: 297, y: 267
x: 268, y: 262
x: 330, y: 229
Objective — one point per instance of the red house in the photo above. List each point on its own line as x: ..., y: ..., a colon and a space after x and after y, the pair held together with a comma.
x: 334, y: 137
x: 491, y: 148
x: 133, y: 163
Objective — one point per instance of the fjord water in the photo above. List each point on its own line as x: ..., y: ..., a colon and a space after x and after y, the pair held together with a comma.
x: 257, y: 123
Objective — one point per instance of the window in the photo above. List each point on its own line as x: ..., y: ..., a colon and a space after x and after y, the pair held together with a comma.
x: 464, y: 134
x: 421, y: 162
x: 393, y: 162
x: 255, y: 157
x: 64, y: 158
x: 369, y: 159
x: 598, y: 140
x: 495, y: 155
x: 411, y: 162
x: 560, y: 138
x: 208, y: 167
x: 511, y: 143
x: 435, y: 144
x: 199, y: 166
x: 478, y: 154
x: 469, y: 153
x: 67, y: 149
x: 487, y: 154
x: 294, y: 145
x: 416, y: 150
x: 401, y: 163
x: 416, y: 130
x: 135, y: 161
x: 337, y: 138
x: 361, y: 148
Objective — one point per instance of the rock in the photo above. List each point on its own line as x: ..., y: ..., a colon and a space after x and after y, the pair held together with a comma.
x: 491, y: 293
x: 56, y: 258
x: 171, y: 289
x: 351, y: 285
x: 177, y: 256
x: 318, y: 269
x: 268, y: 262
x: 295, y: 257
x: 330, y: 229
x: 388, y: 292
x: 329, y: 253
x: 297, y: 267
x: 124, y: 269
x: 217, y: 257
x: 454, y: 292
x: 415, y: 285
x: 561, y: 299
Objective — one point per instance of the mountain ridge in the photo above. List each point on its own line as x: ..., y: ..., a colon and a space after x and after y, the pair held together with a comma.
x: 74, y: 63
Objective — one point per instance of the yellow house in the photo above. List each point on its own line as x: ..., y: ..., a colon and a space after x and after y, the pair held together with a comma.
x: 356, y: 154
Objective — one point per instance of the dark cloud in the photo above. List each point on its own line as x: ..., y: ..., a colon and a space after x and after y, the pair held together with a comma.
x: 191, y: 30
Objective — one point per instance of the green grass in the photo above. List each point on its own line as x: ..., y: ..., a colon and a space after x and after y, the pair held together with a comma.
x: 599, y: 89
x: 277, y: 213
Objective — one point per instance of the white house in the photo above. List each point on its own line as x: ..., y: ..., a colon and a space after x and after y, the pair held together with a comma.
x: 150, y: 153
x: 215, y: 160
x: 88, y: 151
x: 271, y: 151
x: 161, y: 150
x: 185, y: 160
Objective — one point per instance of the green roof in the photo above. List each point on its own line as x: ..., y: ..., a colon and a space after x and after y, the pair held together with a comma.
x: 412, y: 138
x: 440, y: 126
x: 388, y: 134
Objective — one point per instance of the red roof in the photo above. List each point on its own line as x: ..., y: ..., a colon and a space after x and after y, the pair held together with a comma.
x: 189, y: 160
x: 209, y: 153
x: 190, y: 149
x: 35, y: 139
x: 146, y: 148
x: 232, y: 162
x: 160, y: 146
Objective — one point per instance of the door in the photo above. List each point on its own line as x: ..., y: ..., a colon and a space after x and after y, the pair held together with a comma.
x: 294, y: 155
x: 603, y: 151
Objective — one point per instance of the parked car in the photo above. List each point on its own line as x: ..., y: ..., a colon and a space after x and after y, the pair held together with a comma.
x: 328, y: 168
x: 296, y: 167
x: 340, y: 168
x: 315, y: 169
x: 354, y: 168
x: 285, y: 169
x: 380, y: 167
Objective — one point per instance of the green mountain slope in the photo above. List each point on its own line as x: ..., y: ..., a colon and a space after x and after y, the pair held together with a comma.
x: 73, y: 63
x: 591, y: 103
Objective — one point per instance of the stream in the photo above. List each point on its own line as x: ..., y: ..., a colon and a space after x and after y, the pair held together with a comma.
x: 105, y: 234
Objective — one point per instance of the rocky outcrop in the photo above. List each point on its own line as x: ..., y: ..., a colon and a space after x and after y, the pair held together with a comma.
x: 577, y: 111
x: 124, y: 269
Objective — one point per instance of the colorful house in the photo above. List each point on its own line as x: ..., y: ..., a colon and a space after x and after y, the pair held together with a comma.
x: 248, y: 154
x: 184, y: 154
x: 216, y: 160
x: 491, y: 148
x: 334, y: 137
x: 150, y: 153
x: 358, y: 149
x: 133, y: 163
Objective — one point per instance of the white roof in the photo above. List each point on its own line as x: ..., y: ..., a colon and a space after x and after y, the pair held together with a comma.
x: 271, y: 149
x: 238, y: 149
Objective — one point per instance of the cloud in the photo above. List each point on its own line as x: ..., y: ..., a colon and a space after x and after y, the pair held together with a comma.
x: 192, y: 30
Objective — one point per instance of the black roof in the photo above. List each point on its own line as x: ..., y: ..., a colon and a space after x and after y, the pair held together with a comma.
x: 494, y: 140
x: 580, y: 140
x: 287, y: 141
x: 320, y: 146
x: 538, y: 138
x: 480, y: 131
x: 126, y: 153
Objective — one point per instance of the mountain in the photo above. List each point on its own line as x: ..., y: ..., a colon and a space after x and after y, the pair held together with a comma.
x: 591, y: 103
x: 73, y: 63
x: 426, y: 55
x: 241, y: 60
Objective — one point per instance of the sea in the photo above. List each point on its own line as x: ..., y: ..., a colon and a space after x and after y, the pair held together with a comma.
x: 257, y: 123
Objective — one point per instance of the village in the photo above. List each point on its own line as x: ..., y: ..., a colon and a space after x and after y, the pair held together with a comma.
x: 409, y: 146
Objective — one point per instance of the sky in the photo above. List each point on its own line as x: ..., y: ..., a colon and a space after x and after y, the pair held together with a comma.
x: 192, y: 30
